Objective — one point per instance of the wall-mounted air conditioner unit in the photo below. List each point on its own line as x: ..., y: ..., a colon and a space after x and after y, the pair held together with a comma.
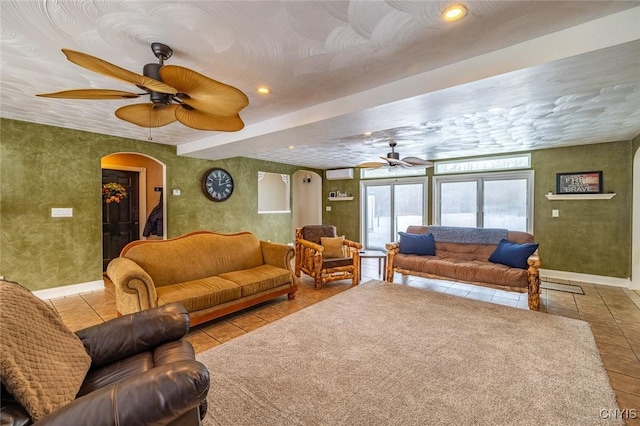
x: 338, y: 174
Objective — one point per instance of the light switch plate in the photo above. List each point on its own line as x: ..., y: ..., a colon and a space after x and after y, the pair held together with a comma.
x: 328, y: 208
x: 555, y: 213
x: 176, y: 192
x: 61, y: 212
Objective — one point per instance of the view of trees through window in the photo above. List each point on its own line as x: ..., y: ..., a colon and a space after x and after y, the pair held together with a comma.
x: 494, y: 200
x: 391, y: 207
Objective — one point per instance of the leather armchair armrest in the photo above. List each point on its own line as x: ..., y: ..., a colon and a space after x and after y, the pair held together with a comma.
x: 130, y: 334
x: 277, y: 254
x: 154, y: 397
x: 135, y: 290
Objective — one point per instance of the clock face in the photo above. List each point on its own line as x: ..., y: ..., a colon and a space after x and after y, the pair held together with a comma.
x: 217, y: 184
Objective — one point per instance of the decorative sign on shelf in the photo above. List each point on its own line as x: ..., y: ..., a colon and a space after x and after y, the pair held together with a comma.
x: 579, y: 183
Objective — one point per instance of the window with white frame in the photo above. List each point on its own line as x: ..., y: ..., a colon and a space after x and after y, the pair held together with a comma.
x: 484, y: 164
x: 485, y: 200
x: 389, y: 206
x: 392, y: 172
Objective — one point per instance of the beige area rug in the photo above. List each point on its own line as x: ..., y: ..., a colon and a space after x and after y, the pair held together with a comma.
x: 387, y: 354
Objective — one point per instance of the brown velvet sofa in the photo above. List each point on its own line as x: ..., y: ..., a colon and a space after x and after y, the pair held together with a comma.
x: 210, y: 274
x: 468, y: 262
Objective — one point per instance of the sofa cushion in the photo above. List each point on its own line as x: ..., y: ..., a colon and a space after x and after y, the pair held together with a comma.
x: 199, y: 294
x: 333, y: 246
x: 42, y: 362
x: 474, y: 271
x: 196, y: 255
x: 420, y: 244
x: 256, y: 280
x: 513, y: 254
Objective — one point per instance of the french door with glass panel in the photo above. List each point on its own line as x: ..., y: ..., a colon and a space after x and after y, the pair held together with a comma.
x: 389, y: 207
x: 493, y: 200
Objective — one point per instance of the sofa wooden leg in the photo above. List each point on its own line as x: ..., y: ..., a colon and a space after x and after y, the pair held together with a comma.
x: 534, y: 294
x: 292, y: 295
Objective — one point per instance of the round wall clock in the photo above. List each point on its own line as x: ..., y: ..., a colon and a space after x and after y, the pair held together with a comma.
x: 217, y: 184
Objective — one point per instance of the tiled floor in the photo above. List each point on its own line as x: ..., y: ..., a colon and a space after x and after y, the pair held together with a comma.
x: 612, y: 312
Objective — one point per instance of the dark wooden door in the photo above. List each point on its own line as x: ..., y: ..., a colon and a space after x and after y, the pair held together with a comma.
x: 120, y: 221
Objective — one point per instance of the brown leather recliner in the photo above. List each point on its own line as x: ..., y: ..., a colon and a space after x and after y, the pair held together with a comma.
x: 141, y: 373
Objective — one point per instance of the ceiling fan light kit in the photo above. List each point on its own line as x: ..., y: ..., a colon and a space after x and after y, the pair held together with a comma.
x: 176, y: 94
x: 393, y: 160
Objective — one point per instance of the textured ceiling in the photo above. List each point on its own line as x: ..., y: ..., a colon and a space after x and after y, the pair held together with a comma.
x: 511, y: 76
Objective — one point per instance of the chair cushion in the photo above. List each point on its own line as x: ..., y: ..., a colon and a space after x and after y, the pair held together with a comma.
x: 42, y: 362
x: 313, y: 233
x: 337, y: 262
x: 333, y: 246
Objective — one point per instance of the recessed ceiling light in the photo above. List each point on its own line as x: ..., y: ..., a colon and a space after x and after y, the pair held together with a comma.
x: 264, y: 90
x: 454, y: 12
x: 291, y: 147
x: 367, y: 133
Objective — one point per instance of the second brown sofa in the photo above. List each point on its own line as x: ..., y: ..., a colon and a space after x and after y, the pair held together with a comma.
x: 211, y: 274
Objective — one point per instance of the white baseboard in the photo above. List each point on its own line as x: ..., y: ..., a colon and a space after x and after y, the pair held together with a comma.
x: 586, y: 278
x: 69, y: 290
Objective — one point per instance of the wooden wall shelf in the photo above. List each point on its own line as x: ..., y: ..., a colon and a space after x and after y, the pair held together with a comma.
x: 340, y: 198
x: 580, y: 196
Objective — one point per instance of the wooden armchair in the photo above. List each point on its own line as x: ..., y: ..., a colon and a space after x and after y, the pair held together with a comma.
x: 313, y: 261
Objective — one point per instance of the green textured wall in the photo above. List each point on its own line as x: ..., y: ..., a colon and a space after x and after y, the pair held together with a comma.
x: 344, y: 215
x: 43, y: 167
x: 590, y: 236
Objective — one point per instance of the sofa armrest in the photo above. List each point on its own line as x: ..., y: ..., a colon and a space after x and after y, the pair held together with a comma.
x: 154, y: 397
x: 392, y: 246
x: 135, y: 290
x: 392, y: 250
x: 130, y: 334
x: 534, y: 260
x: 277, y: 254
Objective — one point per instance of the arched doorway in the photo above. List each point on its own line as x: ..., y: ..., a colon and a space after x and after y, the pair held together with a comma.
x: 141, y: 215
x: 307, y: 199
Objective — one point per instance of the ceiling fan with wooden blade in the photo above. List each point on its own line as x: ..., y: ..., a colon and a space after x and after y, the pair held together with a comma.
x: 393, y: 160
x: 176, y: 94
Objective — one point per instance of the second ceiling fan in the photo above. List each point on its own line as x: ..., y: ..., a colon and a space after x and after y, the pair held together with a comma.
x: 393, y: 160
x: 176, y: 94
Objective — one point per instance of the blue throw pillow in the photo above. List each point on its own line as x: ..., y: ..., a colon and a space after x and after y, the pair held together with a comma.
x: 422, y: 244
x: 513, y: 254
